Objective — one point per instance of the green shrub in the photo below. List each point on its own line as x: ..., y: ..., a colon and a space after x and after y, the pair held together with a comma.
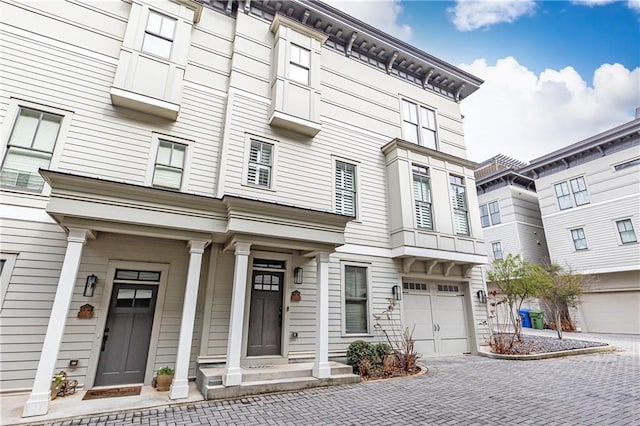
x: 380, y: 351
x: 359, y: 351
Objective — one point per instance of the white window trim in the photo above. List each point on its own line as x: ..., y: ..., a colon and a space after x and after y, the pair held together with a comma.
x: 427, y: 106
x: 571, y: 194
x: 343, y: 318
x: 635, y: 231
x: 7, y: 273
x: 413, y: 199
x: 356, y: 165
x: 153, y: 153
x: 248, y: 137
x: 13, y: 110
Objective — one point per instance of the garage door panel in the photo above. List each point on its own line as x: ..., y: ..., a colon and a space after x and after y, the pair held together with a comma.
x: 611, y: 312
x: 417, y: 313
x: 450, y: 314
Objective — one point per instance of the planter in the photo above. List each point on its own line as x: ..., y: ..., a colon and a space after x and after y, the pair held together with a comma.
x: 55, y: 388
x: 163, y: 382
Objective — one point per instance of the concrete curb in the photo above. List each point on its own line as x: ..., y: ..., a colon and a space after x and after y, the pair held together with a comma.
x: 547, y: 355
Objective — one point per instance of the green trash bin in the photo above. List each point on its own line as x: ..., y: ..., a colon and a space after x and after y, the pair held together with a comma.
x: 537, y: 319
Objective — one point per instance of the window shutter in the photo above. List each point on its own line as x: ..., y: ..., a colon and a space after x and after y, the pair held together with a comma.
x: 345, y: 188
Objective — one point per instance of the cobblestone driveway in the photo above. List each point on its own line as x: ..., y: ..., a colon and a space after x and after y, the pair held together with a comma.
x: 599, y: 389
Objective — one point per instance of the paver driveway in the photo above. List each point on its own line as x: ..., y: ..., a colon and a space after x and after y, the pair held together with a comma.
x: 598, y: 389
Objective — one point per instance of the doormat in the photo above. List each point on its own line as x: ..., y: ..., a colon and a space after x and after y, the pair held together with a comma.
x: 112, y: 392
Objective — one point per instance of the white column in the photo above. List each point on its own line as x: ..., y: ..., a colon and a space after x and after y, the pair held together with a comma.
x: 38, y: 402
x: 180, y: 386
x: 321, y: 367
x: 233, y: 373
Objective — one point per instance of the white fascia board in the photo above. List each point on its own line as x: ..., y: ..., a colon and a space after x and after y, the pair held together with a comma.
x: 407, y: 251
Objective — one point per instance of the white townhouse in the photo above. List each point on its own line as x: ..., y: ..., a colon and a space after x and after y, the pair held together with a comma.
x: 589, y: 197
x: 225, y: 184
x: 509, y: 211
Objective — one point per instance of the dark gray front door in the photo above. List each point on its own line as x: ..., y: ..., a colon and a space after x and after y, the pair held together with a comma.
x: 265, y: 316
x: 125, y: 342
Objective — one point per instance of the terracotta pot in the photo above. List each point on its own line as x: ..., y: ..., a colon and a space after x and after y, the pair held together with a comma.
x: 164, y: 381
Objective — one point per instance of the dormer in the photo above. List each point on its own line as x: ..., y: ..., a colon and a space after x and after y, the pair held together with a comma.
x: 295, y: 76
x: 153, y: 56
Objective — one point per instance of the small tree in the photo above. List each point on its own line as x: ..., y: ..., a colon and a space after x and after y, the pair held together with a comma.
x: 563, y: 292
x: 518, y: 280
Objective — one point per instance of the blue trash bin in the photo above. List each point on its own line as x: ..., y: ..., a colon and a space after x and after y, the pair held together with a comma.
x: 525, y: 318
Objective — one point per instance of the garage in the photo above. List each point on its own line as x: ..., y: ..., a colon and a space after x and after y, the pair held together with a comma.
x: 610, y: 312
x: 437, y: 312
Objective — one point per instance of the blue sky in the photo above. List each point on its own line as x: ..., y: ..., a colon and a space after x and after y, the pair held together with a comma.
x: 555, y: 72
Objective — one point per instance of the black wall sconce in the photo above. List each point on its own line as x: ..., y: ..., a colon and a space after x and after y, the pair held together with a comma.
x: 482, y: 296
x: 297, y: 275
x: 90, y: 285
x: 397, y: 293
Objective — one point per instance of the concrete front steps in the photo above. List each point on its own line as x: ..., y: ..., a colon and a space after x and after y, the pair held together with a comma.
x: 273, y: 378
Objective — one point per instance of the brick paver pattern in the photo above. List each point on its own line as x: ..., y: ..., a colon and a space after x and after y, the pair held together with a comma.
x: 597, y: 389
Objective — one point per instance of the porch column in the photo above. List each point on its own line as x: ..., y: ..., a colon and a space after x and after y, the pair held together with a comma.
x: 233, y: 373
x: 180, y: 386
x: 321, y: 368
x: 38, y: 402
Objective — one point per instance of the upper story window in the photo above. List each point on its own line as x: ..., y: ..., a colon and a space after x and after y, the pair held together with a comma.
x: 169, y: 166
x: 356, y: 306
x: 490, y: 214
x: 578, y: 187
x: 459, y: 205
x: 345, y: 188
x: 626, y: 231
x: 299, y: 64
x: 158, y: 36
x: 30, y: 148
x: 419, y: 124
x: 260, y: 164
x: 422, y: 197
x: 496, y: 248
x: 579, y: 239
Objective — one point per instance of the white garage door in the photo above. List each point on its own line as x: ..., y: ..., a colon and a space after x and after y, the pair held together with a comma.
x: 610, y: 312
x: 437, y: 313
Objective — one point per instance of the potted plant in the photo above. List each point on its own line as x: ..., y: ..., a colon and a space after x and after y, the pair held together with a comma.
x: 56, y: 384
x: 164, y: 378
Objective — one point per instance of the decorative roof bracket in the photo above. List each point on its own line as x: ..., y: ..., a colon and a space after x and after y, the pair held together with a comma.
x: 228, y: 9
x: 457, y: 94
x: 350, y: 44
x: 247, y: 6
x: 391, y: 61
x: 448, y: 267
x: 429, y: 265
x: 305, y: 17
x: 427, y: 77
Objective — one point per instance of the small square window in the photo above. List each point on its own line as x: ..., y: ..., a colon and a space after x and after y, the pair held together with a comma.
x: 30, y: 148
x: 579, y: 239
x: 419, y: 124
x: 496, y: 248
x: 158, y: 36
x: 626, y: 231
x: 260, y: 164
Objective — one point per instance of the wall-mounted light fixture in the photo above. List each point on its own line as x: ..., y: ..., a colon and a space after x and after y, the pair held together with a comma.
x: 90, y: 285
x: 397, y: 292
x: 297, y: 275
x: 482, y: 296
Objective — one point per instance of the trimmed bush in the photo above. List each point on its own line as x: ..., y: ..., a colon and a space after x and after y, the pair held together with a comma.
x: 359, y: 351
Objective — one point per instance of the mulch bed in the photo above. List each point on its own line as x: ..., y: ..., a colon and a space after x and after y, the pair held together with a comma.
x: 542, y: 344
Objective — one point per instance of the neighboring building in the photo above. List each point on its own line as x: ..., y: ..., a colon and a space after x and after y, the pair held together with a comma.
x: 589, y: 197
x: 232, y: 183
x: 509, y: 211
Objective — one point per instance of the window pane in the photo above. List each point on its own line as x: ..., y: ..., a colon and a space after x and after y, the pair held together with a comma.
x: 164, y: 153
x: 410, y: 132
x: 25, y: 128
x: 460, y: 222
x: 428, y: 138
x: 427, y: 118
x: 154, y: 23
x: 177, y: 158
x: 356, y: 299
x: 168, y: 26
x: 484, y: 216
x: 21, y: 166
x: 167, y: 177
x: 299, y: 74
x: 47, y: 132
x: 125, y: 297
x: 156, y: 45
x: 410, y: 112
x: 356, y: 317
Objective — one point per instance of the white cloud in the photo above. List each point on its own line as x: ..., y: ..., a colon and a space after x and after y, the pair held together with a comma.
x: 631, y: 4
x: 469, y: 15
x: 381, y: 14
x: 524, y: 115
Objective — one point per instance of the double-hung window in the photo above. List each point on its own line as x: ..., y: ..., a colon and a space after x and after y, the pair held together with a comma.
x: 159, y: 34
x: 169, y: 165
x: 459, y: 205
x: 496, y: 248
x: 577, y: 187
x: 345, y: 188
x: 356, y: 305
x: 260, y: 164
x: 490, y: 214
x: 422, y: 197
x: 419, y: 124
x: 30, y: 148
x: 579, y: 239
x: 299, y: 64
x: 626, y: 231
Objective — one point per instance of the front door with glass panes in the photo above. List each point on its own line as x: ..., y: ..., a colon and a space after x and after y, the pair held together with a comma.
x: 265, y: 315
x: 127, y: 333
